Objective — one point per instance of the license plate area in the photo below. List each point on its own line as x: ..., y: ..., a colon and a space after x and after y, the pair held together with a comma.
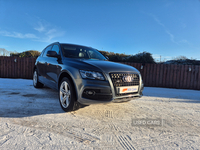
x: 127, y: 89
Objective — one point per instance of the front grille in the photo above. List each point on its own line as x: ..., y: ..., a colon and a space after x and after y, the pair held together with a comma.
x: 117, y: 80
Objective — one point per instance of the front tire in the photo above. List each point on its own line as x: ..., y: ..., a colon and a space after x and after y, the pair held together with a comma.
x: 67, y: 95
x: 36, y: 83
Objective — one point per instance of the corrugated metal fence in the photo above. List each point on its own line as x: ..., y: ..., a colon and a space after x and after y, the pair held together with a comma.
x: 154, y: 75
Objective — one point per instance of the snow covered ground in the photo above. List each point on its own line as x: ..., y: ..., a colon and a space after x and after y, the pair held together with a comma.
x: 162, y: 119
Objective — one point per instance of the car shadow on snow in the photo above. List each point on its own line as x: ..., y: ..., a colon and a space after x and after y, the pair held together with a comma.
x: 25, y: 104
x: 174, y: 95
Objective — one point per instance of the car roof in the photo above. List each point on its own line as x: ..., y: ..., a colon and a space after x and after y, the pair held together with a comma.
x: 76, y: 45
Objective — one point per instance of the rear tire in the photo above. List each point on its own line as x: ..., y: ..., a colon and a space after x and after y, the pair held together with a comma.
x: 36, y: 83
x: 67, y: 96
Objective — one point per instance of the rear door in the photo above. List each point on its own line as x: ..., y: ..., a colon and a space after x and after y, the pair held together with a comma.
x: 41, y: 65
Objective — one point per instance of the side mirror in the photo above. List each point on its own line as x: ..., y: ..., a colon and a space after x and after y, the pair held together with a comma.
x: 52, y: 54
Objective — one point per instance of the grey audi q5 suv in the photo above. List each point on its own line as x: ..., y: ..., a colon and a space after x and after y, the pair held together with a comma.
x: 82, y: 75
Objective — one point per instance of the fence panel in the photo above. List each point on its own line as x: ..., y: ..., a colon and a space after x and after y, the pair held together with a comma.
x: 169, y: 75
x: 198, y: 85
x: 156, y: 75
x: 16, y: 67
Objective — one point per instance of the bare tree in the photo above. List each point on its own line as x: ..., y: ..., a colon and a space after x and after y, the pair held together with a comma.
x: 180, y: 58
x: 4, y: 52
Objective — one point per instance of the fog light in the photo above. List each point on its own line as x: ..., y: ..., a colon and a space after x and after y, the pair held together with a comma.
x: 90, y: 93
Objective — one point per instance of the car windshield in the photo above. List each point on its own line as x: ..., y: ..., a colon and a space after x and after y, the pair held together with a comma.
x: 81, y: 52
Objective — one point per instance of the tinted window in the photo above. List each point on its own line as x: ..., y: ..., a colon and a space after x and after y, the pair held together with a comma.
x: 72, y: 51
x: 56, y: 48
x: 41, y: 54
x: 46, y: 50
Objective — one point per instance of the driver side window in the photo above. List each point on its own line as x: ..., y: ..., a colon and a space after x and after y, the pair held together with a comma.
x: 56, y: 48
x: 46, y: 50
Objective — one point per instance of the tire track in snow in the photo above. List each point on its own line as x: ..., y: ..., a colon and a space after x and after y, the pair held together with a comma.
x: 122, y: 140
x: 62, y: 129
x: 4, y: 140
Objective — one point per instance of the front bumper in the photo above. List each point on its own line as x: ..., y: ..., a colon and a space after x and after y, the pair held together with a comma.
x: 95, y: 92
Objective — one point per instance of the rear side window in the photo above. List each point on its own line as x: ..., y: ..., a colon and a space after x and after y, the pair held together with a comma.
x: 46, y: 50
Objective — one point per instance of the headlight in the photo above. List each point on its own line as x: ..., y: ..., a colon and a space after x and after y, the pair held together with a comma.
x: 92, y: 75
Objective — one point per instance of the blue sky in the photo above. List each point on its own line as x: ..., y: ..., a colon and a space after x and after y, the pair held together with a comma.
x: 169, y: 28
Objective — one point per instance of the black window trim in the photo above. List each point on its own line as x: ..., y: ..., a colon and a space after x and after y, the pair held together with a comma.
x: 46, y: 49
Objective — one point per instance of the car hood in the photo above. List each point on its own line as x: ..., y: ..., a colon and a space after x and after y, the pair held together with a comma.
x: 98, y: 65
x: 108, y: 66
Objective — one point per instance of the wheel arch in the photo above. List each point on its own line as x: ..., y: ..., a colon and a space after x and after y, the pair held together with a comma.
x: 66, y: 74
x: 34, y: 68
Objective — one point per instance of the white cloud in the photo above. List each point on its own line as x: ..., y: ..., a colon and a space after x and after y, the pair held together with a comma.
x: 50, y: 35
x: 40, y: 27
x: 157, y: 20
x: 171, y: 36
x: 185, y: 41
x: 51, y: 31
x: 165, y: 28
x: 47, y: 32
x: 18, y: 35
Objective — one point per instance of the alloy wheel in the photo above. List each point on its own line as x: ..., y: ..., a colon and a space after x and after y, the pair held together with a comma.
x: 35, y: 78
x: 65, y: 94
